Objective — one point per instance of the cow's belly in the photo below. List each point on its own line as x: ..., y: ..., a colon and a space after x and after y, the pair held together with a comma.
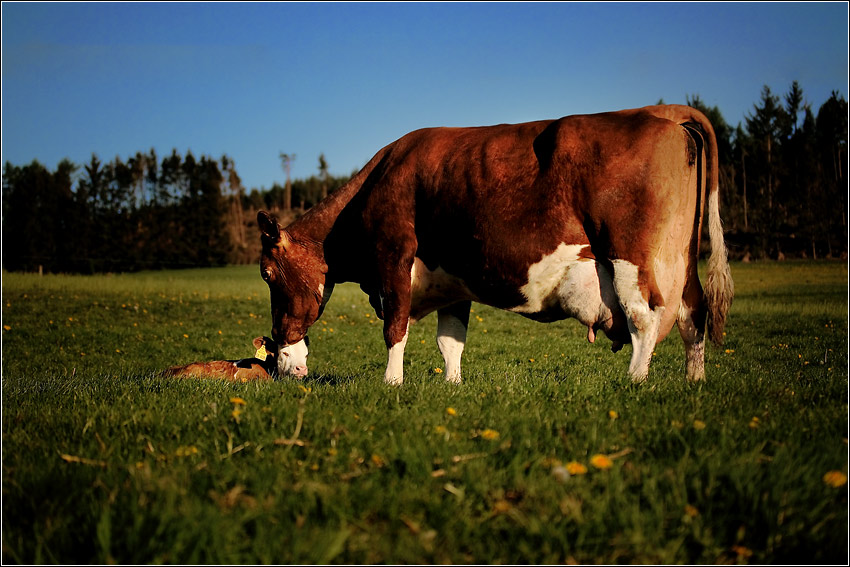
x: 566, y: 284
x: 561, y: 285
x: 433, y: 289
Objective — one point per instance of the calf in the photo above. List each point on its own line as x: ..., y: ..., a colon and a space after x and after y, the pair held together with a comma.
x: 263, y: 366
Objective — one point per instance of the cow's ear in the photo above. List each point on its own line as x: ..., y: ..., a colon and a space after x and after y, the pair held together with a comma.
x: 272, y: 230
x: 268, y: 226
x: 258, y: 342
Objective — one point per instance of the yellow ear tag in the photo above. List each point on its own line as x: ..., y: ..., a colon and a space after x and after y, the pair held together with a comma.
x: 261, y: 353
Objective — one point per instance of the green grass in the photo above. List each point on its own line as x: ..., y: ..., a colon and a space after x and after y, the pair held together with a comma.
x: 104, y: 461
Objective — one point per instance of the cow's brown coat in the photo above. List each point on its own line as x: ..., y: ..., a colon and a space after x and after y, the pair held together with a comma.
x: 484, y: 204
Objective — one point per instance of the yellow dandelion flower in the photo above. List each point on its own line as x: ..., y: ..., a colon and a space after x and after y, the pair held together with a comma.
x: 451, y: 411
x: 185, y: 336
x: 835, y: 479
x: 612, y: 414
x: 501, y: 507
x: 601, y: 462
x: 186, y: 451
x: 699, y: 424
x: 305, y: 389
x: 490, y: 434
x: 438, y: 370
x: 576, y: 468
x: 238, y: 401
x: 440, y: 429
x: 7, y: 327
x: 691, y: 511
x: 236, y: 413
x: 754, y: 422
x: 378, y: 461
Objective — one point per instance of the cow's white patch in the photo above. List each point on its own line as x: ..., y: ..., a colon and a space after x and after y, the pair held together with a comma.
x: 433, y: 289
x: 395, y: 362
x: 545, y: 277
x: 292, y: 359
x: 326, y: 296
x: 565, y: 284
x: 643, y: 321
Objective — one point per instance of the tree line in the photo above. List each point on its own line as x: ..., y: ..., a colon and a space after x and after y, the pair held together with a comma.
x: 783, y: 176
x: 140, y: 213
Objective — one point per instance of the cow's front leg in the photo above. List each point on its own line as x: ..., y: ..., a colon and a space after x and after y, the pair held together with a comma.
x: 452, y: 323
x: 395, y: 300
x: 395, y: 340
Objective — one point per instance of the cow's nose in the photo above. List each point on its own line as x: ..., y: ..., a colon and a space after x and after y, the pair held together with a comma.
x: 300, y: 371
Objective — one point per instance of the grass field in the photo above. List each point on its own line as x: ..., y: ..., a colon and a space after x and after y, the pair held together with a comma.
x: 545, y: 454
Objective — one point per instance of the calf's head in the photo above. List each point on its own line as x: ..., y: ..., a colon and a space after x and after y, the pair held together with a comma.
x: 290, y: 360
x: 295, y: 273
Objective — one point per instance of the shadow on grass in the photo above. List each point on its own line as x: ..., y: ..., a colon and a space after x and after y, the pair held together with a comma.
x: 328, y: 379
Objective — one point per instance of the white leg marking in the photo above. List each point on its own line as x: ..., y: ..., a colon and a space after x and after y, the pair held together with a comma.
x: 395, y: 362
x: 451, y: 337
x: 643, y: 322
x: 694, y: 340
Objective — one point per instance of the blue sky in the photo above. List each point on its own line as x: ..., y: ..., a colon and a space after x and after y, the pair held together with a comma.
x: 253, y: 79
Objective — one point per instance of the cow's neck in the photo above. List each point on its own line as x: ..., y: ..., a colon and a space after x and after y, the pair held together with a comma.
x: 334, y: 233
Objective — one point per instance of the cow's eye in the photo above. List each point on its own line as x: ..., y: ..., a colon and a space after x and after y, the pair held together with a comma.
x: 267, y: 275
x: 286, y: 354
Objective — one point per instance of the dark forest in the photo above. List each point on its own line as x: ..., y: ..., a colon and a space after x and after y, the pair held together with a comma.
x: 783, y: 182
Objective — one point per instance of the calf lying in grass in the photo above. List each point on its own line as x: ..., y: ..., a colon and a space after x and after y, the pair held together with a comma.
x: 264, y: 366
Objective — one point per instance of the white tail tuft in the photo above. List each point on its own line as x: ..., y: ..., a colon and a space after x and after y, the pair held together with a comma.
x: 719, y: 287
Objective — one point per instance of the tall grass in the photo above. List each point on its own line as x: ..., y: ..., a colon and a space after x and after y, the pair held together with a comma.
x: 105, y: 461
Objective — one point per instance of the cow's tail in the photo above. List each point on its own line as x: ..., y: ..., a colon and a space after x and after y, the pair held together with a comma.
x: 719, y: 287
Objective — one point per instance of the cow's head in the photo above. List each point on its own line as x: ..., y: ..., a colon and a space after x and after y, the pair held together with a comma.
x: 295, y: 274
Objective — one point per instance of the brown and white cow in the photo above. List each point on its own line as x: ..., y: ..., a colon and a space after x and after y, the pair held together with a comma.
x: 596, y: 217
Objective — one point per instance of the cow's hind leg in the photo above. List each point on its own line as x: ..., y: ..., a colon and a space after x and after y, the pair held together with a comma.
x: 643, y: 320
x: 452, y: 323
x: 691, y: 322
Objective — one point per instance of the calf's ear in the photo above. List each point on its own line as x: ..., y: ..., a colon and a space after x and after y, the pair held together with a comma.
x: 258, y: 342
